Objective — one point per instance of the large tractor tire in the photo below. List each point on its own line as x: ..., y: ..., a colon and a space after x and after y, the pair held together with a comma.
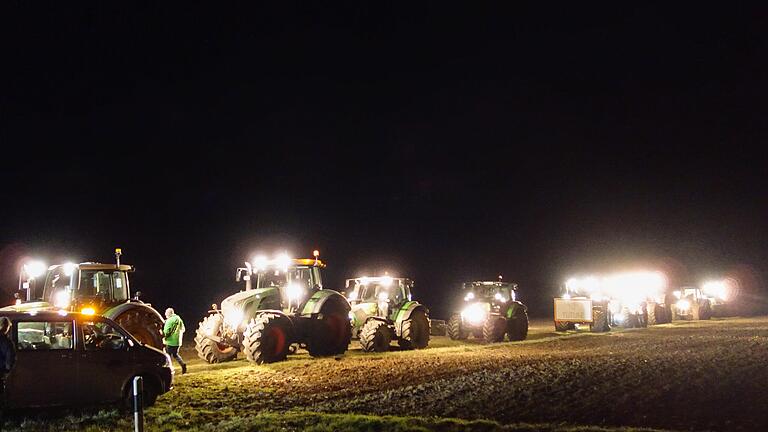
x: 517, y: 325
x: 144, y: 325
x: 267, y: 338
x: 375, y: 336
x: 656, y: 314
x: 415, y: 331
x: 494, y: 329
x: 562, y: 326
x: 599, y: 321
x: 454, y: 328
x: 636, y: 320
x: 209, y: 350
x: 330, y: 332
x: 702, y: 311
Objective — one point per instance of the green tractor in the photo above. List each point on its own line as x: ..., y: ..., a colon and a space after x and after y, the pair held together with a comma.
x: 383, y: 310
x: 283, y: 307
x: 90, y: 288
x: 490, y: 311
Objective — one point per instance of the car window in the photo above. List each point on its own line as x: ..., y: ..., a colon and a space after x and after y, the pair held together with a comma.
x: 102, y: 336
x: 44, y: 335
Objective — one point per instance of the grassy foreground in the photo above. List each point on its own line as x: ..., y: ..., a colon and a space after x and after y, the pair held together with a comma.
x: 303, y: 421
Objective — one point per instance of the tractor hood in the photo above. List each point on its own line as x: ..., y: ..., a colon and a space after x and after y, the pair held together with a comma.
x: 251, y: 298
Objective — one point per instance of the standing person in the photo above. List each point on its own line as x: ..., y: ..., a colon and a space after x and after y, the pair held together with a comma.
x: 173, y: 332
x: 7, y: 360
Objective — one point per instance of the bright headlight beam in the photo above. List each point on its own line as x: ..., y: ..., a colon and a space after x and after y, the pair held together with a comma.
x: 35, y: 269
x: 474, y: 313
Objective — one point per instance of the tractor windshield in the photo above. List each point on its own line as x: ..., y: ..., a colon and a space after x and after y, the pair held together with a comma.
x: 302, y: 276
x: 376, y: 291
x: 110, y: 285
x: 495, y: 292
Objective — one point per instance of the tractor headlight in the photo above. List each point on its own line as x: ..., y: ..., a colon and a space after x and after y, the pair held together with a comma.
x: 469, y: 296
x: 61, y: 299
x: 294, y: 292
x: 500, y: 297
x: 683, y: 305
x: 474, y: 314
x: 234, y: 318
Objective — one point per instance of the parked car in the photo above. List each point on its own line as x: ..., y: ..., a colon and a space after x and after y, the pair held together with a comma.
x: 74, y: 359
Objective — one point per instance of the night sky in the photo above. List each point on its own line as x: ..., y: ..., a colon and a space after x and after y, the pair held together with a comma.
x: 430, y: 141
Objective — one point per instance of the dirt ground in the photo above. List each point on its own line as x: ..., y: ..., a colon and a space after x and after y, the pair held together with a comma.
x: 704, y: 375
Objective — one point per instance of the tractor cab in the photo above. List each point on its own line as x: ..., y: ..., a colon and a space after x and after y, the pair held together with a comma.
x: 384, y: 292
x: 494, y: 293
x: 86, y: 285
x: 294, y: 280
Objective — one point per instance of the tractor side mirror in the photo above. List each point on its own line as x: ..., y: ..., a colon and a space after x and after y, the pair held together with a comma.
x: 241, y: 274
x: 136, y: 295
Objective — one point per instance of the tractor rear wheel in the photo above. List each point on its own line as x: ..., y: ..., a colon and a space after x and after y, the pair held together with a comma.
x: 144, y: 325
x: 267, y: 338
x: 375, y: 336
x: 599, y: 321
x: 210, y: 350
x: 494, y: 329
x: 517, y: 325
x: 702, y: 311
x: 454, y: 328
x: 415, y: 331
x: 330, y: 332
x: 655, y: 314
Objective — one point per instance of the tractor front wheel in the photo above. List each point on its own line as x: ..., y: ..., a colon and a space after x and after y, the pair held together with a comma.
x: 267, y: 338
x: 375, y: 336
x: 454, y: 328
x: 494, y: 329
x: 208, y: 349
x: 415, y: 331
x: 144, y: 325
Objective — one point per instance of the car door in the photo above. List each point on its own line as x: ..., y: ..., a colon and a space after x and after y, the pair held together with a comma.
x: 46, y: 371
x: 105, y: 361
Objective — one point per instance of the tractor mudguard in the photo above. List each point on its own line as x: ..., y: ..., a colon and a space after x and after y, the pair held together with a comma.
x: 513, y: 307
x: 119, y: 309
x: 405, y: 312
x: 315, y: 303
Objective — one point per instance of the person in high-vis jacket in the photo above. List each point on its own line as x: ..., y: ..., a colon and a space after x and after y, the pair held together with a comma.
x: 173, y: 332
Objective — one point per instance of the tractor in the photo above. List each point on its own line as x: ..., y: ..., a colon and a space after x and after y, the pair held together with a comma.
x: 692, y: 304
x: 383, y: 310
x: 283, y: 307
x: 627, y: 299
x: 91, y: 288
x: 490, y: 311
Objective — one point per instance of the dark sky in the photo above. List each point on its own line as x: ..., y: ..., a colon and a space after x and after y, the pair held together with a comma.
x: 431, y: 141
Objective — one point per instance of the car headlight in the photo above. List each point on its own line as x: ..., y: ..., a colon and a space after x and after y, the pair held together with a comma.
x: 474, y: 314
x: 683, y: 305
